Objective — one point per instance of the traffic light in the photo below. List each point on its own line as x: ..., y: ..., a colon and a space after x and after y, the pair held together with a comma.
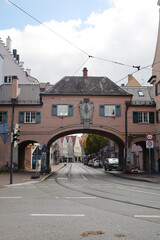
x: 15, y: 135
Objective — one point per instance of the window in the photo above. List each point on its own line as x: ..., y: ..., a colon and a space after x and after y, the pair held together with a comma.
x: 140, y: 93
x: 3, y: 117
x: 110, y: 110
x: 29, y: 117
x: 158, y: 116
x: 62, y: 110
x: 143, y: 117
x: 1, y: 69
x: 8, y: 79
x: 157, y: 88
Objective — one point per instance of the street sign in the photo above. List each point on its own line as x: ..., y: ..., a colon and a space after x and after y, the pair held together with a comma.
x: 149, y: 144
x: 149, y: 136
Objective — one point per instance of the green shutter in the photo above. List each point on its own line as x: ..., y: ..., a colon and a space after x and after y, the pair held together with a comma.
x: 70, y: 110
x: 156, y: 90
x: 101, y: 110
x: 151, y: 117
x: 135, y: 117
x: 54, y: 110
x: 38, y: 117
x: 156, y: 116
x: 118, y: 110
x: 21, y: 117
x: 4, y: 116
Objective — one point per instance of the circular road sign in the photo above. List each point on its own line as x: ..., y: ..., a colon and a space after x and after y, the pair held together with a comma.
x: 149, y: 136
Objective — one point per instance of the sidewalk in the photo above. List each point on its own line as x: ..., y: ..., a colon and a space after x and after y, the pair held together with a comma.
x: 140, y: 176
x: 25, y: 177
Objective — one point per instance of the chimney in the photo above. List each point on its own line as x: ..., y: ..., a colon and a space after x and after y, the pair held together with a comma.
x: 28, y: 72
x: 14, y: 88
x: 9, y: 43
x: 85, y: 72
x: 129, y: 77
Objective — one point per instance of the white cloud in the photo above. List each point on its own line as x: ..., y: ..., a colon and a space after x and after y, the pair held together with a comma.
x: 125, y: 33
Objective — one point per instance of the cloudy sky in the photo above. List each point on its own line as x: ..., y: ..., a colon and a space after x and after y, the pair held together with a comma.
x: 118, y: 34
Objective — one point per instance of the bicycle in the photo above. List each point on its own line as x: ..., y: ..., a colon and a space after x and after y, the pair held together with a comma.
x: 6, y: 167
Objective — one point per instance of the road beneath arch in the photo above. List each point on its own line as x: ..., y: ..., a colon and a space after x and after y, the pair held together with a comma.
x: 81, y: 201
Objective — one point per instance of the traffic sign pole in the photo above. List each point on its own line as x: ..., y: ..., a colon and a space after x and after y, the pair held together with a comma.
x: 149, y: 160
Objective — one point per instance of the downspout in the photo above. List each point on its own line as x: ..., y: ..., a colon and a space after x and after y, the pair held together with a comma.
x: 126, y: 134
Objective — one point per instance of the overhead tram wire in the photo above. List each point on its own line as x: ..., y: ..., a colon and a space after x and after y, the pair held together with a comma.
x: 75, y: 46
x: 50, y: 29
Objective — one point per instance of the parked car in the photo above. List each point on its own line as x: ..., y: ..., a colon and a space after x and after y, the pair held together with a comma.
x: 90, y: 163
x: 97, y: 163
x: 111, y: 163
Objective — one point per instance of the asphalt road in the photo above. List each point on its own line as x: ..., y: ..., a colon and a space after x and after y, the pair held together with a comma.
x: 80, y: 202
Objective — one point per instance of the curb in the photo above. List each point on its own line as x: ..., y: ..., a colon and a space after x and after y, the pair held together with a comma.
x: 31, y: 182
x: 134, y: 179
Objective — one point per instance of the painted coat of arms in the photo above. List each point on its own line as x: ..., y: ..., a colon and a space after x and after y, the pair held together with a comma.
x: 86, y: 109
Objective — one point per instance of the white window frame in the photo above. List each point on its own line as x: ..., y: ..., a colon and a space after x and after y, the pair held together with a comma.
x: 30, y: 117
x: 140, y: 93
x: 143, y: 117
x: 62, y: 110
x: 110, y: 110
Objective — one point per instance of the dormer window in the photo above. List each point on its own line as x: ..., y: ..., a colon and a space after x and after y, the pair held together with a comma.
x: 140, y: 93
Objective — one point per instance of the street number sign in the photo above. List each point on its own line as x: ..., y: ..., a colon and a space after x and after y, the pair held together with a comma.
x: 149, y: 136
x: 149, y: 144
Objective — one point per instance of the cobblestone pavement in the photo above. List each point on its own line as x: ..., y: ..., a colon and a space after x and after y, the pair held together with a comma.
x: 25, y: 177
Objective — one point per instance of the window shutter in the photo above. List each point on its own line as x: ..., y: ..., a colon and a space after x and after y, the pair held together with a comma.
x: 156, y: 116
x: 135, y: 117
x: 70, y: 110
x: 151, y: 117
x: 54, y: 110
x: 4, y: 116
x: 118, y: 110
x: 101, y: 110
x: 5, y: 79
x: 38, y: 117
x: 156, y: 89
x: 21, y: 117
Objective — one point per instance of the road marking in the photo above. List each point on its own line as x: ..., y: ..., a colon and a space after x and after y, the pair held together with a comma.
x: 84, y: 177
x: 10, y: 197
x: 132, y: 190
x: 147, y: 216
x: 80, y: 197
x: 57, y: 215
x: 62, y: 178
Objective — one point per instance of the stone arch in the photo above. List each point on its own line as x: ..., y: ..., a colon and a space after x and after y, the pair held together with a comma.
x: 110, y: 135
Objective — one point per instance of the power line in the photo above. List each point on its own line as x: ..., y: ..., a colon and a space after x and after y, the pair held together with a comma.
x: 50, y: 29
x: 75, y: 46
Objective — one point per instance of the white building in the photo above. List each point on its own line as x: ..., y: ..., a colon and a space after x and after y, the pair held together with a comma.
x: 10, y: 65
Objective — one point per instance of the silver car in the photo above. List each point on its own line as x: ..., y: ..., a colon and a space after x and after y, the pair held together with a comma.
x: 111, y: 163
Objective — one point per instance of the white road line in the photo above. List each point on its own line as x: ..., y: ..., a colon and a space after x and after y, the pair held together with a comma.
x: 147, y: 216
x: 61, y: 178
x: 10, y: 197
x: 132, y: 190
x: 84, y: 177
x: 80, y: 197
x: 57, y: 215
